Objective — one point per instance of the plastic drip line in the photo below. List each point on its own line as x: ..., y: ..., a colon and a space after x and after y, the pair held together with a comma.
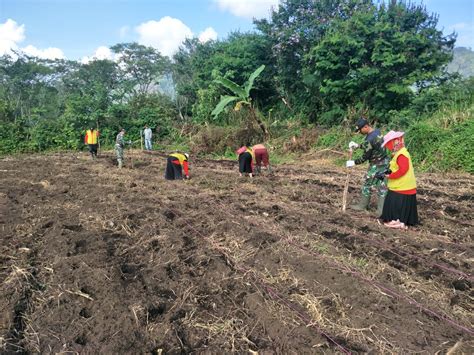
x: 389, y: 290
x: 307, y: 319
x: 303, y: 316
x: 420, y: 258
x: 377, y: 284
x: 390, y: 248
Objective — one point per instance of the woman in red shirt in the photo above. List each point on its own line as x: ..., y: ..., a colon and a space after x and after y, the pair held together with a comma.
x: 261, y: 158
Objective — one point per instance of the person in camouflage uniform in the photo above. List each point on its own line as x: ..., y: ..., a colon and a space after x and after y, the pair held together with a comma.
x: 119, y: 146
x: 378, y: 162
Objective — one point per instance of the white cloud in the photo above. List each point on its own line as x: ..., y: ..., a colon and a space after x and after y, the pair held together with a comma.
x: 100, y: 53
x: 247, y: 8
x: 166, y: 35
x: 207, y: 35
x: 10, y: 35
x: 48, y: 53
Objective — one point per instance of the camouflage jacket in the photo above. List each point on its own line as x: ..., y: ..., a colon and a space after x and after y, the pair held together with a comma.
x: 119, y: 140
x: 373, y: 150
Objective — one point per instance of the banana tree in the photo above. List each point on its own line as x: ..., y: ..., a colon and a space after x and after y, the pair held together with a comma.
x: 241, y: 98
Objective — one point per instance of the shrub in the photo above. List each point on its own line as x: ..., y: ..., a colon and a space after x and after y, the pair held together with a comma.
x: 434, y: 148
x: 423, y: 140
x: 456, y: 152
x: 218, y: 140
x: 302, y: 142
x: 335, y: 138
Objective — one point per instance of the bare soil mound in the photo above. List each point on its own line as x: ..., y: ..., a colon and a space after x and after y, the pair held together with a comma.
x: 99, y: 260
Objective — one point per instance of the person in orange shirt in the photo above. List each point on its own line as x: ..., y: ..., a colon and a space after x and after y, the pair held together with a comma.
x: 91, y: 139
x: 260, y: 153
x: 400, y: 206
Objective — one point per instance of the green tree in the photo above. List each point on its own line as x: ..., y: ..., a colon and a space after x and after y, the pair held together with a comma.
x: 141, y: 68
x: 196, y: 65
x: 374, y: 59
x: 90, y: 90
x: 241, y: 94
x: 29, y: 97
x: 293, y: 29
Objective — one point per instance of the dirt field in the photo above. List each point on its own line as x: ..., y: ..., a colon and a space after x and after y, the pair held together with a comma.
x: 99, y: 260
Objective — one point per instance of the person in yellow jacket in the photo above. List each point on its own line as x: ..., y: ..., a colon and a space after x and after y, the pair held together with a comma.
x: 92, y: 140
x: 400, y: 207
x: 176, y: 163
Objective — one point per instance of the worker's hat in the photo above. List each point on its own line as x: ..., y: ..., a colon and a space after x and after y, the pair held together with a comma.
x: 391, y: 136
x: 186, y: 155
x: 361, y: 122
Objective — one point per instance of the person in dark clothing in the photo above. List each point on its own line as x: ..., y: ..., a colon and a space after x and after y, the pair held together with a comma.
x: 245, y: 155
x: 376, y: 155
x: 175, y: 165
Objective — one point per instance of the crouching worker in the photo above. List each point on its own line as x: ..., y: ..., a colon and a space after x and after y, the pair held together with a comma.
x: 261, y: 158
x: 175, y: 165
x: 245, y: 160
x: 400, y: 207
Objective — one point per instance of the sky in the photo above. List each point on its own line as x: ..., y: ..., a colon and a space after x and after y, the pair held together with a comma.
x: 85, y: 29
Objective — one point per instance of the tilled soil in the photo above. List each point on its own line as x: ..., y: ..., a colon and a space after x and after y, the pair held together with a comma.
x: 99, y: 260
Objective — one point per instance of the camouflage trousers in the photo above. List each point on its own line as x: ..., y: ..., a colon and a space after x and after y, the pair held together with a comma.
x: 373, y: 184
x: 119, y: 152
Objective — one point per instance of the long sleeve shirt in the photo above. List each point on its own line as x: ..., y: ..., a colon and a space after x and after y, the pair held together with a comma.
x: 119, y: 140
x: 373, y: 150
x: 147, y: 133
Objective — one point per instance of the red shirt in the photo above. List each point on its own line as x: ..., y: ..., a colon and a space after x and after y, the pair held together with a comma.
x: 185, y: 166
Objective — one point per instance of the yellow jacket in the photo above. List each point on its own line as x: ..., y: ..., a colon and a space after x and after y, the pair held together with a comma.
x: 405, y: 182
x: 181, y: 157
x: 91, y: 136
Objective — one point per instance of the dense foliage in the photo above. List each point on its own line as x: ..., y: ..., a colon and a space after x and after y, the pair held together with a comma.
x: 326, y: 63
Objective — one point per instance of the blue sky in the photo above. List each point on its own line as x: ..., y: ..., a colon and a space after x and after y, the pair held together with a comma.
x: 81, y: 29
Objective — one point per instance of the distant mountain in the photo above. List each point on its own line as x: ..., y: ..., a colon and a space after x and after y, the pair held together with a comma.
x: 463, y: 62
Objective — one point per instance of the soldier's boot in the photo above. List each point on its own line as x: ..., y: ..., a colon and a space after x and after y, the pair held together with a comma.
x: 380, y: 202
x: 120, y: 164
x: 362, y: 205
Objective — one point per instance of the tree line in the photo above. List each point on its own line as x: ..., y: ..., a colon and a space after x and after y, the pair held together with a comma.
x: 325, y: 62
